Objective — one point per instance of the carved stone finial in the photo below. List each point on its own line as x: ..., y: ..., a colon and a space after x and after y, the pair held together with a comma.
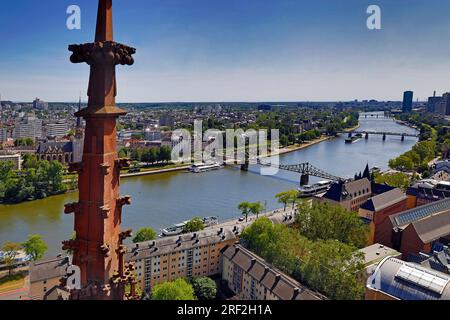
x: 105, y: 168
x: 103, y: 53
x: 122, y: 250
x: 72, y: 208
x: 104, y: 211
x: 124, y: 163
x: 122, y: 201
x: 70, y: 245
x: 125, y: 235
x: 105, y: 250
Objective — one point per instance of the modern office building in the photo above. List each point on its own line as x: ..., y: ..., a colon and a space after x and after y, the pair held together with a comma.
x: 57, y: 129
x: 432, y: 103
x: 40, y: 105
x: 3, y: 134
x: 28, y: 127
x: 407, y: 101
x: 166, y: 120
x: 153, y: 134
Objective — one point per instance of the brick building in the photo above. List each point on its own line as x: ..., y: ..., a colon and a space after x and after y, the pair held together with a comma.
x: 378, y: 208
x: 417, y: 230
x: 427, y: 191
x: 349, y: 195
x: 352, y: 194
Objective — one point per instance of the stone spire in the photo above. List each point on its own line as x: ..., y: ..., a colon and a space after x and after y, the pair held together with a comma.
x: 98, y: 248
x: 104, y: 31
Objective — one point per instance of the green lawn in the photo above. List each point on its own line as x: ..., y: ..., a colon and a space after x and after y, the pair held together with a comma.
x: 13, y: 282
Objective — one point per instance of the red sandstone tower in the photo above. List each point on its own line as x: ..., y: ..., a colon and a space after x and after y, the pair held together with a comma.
x: 98, y: 249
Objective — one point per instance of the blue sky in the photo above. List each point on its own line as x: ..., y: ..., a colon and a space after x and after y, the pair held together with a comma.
x: 233, y: 50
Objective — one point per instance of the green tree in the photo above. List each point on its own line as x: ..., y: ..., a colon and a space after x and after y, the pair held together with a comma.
x: 146, y: 156
x: 178, y: 290
x: 194, y: 225
x: 30, y: 161
x: 244, y: 207
x: 123, y: 153
x: 258, y: 235
x: 55, y: 176
x: 165, y: 154
x: 331, y: 222
x: 402, y: 163
x: 145, y: 234
x: 256, y: 208
x: 284, y: 141
x: 287, y: 197
x: 154, y: 154
x: 10, y: 251
x: 24, y: 142
x: 330, y: 267
x: 334, y: 269
x: 204, y: 288
x: 35, y: 247
x: 397, y: 180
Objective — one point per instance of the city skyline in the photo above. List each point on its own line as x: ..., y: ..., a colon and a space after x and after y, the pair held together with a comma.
x: 252, y: 51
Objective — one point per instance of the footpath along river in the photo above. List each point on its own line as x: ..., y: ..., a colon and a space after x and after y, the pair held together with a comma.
x: 162, y: 200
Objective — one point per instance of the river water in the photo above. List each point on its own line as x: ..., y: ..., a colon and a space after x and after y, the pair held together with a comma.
x: 165, y: 199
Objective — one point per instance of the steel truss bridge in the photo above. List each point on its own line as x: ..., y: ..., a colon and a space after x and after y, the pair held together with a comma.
x: 384, y: 134
x: 305, y: 170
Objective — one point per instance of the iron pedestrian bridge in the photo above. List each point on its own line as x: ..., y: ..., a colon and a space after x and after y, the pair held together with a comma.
x: 305, y: 170
x: 384, y: 134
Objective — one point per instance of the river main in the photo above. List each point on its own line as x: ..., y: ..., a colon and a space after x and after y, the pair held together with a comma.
x: 165, y: 199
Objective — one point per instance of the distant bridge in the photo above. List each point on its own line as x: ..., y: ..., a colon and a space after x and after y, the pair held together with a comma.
x: 305, y: 170
x: 384, y: 134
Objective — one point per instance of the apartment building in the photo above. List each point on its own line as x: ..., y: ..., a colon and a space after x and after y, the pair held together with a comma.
x: 3, y: 134
x: 252, y: 278
x: 28, y: 127
x: 45, y: 277
x: 187, y: 256
x: 190, y: 255
x: 57, y: 129
x: 165, y: 259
